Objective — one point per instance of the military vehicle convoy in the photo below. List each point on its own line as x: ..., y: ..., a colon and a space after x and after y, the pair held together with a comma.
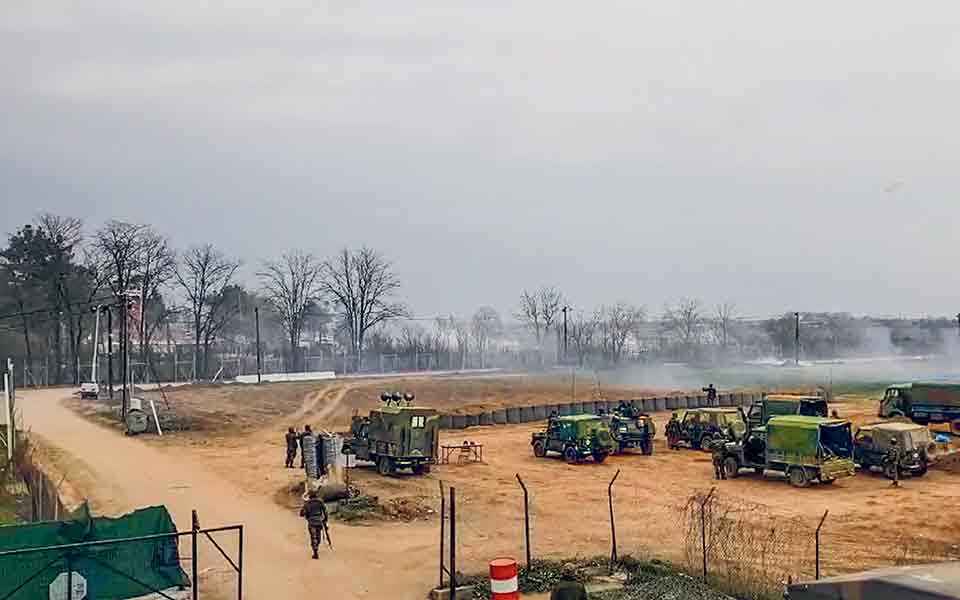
x: 575, y: 437
x: 777, y: 405
x: 396, y: 436
x: 894, y: 448
x: 803, y: 448
x: 923, y: 402
x: 702, y: 427
x: 630, y: 428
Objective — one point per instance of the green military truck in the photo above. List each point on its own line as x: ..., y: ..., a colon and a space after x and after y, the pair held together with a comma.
x: 575, y: 437
x: 396, y: 436
x: 630, y: 428
x: 778, y: 405
x: 923, y: 402
x: 803, y: 448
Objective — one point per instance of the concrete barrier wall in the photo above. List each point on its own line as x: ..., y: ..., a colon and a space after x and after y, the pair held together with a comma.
x: 446, y: 422
x: 564, y: 410
x: 540, y: 412
x: 458, y: 421
x: 485, y: 418
x: 513, y: 415
x: 670, y: 403
x: 590, y: 408
x: 725, y: 399
x: 473, y: 420
x: 702, y: 401
x: 649, y: 405
x: 499, y: 417
x: 528, y: 414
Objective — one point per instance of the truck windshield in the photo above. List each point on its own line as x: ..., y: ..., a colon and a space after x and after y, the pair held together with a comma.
x: 835, y: 440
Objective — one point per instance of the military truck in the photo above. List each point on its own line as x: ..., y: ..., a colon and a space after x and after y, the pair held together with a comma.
x: 873, y: 448
x: 630, y: 428
x: 777, y: 405
x: 701, y: 427
x: 575, y: 437
x: 923, y: 402
x: 803, y: 448
x: 396, y: 436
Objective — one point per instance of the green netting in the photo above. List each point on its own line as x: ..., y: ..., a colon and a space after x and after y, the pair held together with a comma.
x: 154, y: 563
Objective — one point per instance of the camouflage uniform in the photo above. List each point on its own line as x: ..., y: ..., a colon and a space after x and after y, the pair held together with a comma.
x: 292, y: 441
x: 315, y: 512
x: 893, y: 457
x: 306, y: 431
x: 718, y: 471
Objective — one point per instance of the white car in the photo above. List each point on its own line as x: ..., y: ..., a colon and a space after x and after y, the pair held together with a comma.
x: 89, y: 389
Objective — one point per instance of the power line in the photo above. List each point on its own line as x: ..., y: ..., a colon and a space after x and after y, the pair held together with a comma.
x: 55, y: 308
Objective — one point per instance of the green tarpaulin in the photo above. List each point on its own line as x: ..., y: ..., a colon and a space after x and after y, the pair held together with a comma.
x: 110, y: 570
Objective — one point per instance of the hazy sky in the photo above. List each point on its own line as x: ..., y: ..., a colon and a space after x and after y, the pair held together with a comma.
x: 784, y: 156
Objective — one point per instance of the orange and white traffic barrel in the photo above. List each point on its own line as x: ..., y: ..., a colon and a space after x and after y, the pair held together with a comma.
x: 504, y: 582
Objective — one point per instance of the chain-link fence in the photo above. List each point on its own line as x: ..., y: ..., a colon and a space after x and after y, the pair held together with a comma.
x: 745, y: 548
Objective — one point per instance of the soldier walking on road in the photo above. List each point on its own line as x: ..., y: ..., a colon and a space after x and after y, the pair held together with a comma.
x: 315, y: 512
x: 292, y: 441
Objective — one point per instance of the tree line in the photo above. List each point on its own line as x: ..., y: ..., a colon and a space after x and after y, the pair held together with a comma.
x: 54, y: 273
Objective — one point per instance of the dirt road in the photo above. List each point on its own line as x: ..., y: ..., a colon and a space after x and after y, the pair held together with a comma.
x: 121, y: 474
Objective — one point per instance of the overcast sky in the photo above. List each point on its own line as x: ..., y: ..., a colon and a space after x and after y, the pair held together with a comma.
x: 783, y: 156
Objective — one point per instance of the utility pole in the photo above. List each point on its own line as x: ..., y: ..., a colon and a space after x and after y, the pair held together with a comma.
x: 109, y: 351
x: 796, y: 339
x: 565, y: 310
x: 124, y: 342
x: 256, y: 318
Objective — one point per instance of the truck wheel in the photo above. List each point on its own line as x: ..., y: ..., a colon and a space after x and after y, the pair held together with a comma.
x: 827, y: 481
x: 571, y: 455
x: 539, y: 450
x: 731, y: 467
x: 599, y: 457
x: 922, y: 471
x: 798, y: 477
x: 385, y: 465
x: 647, y: 447
x: 758, y: 470
x: 421, y: 469
x: 620, y: 448
x: 706, y: 442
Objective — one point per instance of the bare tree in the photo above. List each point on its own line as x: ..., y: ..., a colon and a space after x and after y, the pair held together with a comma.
x: 204, y: 273
x: 119, y: 246
x: 484, y: 326
x: 724, y: 316
x: 291, y: 285
x: 155, y: 269
x: 64, y: 235
x: 616, y: 323
x: 461, y: 332
x: 582, y: 331
x: 685, y: 322
x: 363, y: 284
x: 538, y: 312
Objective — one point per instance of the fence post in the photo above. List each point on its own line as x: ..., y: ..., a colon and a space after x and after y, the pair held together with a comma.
x: 613, y: 522
x: 443, y: 515
x: 526, y: 518
x: 240, y: 564
x: 824, y: 518
x: 194, y: 528
x: 453, y: 543
x: 703, y: 528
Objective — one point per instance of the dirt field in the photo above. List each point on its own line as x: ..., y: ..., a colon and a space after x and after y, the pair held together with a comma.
x: 242, y: 445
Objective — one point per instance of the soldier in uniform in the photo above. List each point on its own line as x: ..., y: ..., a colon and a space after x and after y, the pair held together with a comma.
x: 893, y: 457
x: 717, y: 450
x: 292, y: 440
x: 315, y: 512
x: 306, y: 431
x: 711, y: 394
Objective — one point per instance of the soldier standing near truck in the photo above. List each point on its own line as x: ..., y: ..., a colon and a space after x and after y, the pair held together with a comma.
x: 303, y: 455
x: 315, y: 512
x: 893, y: 458
x: 711, y: 395
x: 292, y: 441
